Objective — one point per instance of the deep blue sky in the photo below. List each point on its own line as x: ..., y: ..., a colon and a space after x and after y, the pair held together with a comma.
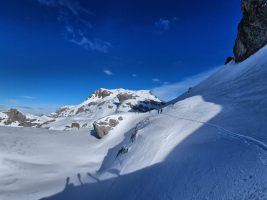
x: 55, y: 52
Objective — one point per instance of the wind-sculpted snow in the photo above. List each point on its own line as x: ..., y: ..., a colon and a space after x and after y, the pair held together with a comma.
x: 209, y: 143
x: 37, y: 162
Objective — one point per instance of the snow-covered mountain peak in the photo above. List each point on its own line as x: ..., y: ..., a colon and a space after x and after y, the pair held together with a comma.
x: 102, y: 103
x: 111, y: 101
x: 15, y: 118
x: 104, y: 93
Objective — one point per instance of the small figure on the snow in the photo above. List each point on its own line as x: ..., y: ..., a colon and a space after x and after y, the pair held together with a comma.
x: 161, y: 110
x: 133, y: 136
x: 189, y: 90
x: 121, y: 151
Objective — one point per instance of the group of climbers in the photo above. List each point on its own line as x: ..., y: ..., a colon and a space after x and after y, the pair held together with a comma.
x: 124, y: 149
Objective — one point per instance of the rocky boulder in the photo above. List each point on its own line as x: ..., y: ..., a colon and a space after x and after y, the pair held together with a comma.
x: 252, y: 30
x: 102, y: 127
x: 75, y: 125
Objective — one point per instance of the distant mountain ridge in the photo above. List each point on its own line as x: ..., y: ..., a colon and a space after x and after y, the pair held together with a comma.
x: 103, y: 103
x: 99, y: 104
x: 117, y: 100
x: 15, y: 118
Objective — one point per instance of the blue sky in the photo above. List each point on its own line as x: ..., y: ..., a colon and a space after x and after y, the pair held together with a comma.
x: 56, y: 52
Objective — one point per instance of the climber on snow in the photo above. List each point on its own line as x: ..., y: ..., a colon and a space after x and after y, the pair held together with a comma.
x: 121, y: 151
x: 133, y: 136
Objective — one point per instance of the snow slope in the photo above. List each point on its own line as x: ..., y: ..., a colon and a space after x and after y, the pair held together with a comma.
x: 209, y: 144
x: 36, y: 162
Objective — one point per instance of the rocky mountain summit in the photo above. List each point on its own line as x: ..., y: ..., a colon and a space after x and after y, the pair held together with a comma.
x: 100, y: 104
x: 13, y: 117
x: 252, y: 30
x: 103, y: 103
x: 111, y: 101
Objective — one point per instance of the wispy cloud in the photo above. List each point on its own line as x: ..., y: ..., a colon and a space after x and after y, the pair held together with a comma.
x: 72, y: 5
x: 35, y: 110
x: 13, y: 101
x: 134, y: 75
x: 84, y: 42
x: 156, y: 80
x: 27, y: 97
x: 108, y: 72
x: 171, y: 91
x: 163, y: 24
x: 76, y: 21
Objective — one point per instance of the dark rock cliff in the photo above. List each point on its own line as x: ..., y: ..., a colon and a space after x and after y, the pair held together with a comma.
x: 252, y: 30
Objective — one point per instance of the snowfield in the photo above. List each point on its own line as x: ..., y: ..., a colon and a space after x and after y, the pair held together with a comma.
x: 35, y: 162
x: 210, y: 143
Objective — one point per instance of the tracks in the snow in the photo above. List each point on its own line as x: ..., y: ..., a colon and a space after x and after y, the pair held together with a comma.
x: 245, y: 138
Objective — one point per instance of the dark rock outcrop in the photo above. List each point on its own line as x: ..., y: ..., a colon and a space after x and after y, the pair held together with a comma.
x: 228, y: 60
x: 59, y: 112
x: 252, y: 30
x: 101, y: 93
x: 16, y: 116
x: 145, y: 106
x: 124, y: 97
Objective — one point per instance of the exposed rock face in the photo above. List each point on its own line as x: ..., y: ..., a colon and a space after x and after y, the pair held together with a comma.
x: 102, y: 103
x: 102, y: 93
x: 59, y: 112
x: 75, y: 125
x: 228, y: 60
x: 102, y: 127
x: 252, y: 30
x: 111, y: 101
x: 16, y: 116
x: 125, y: 96
x: 146, y: 106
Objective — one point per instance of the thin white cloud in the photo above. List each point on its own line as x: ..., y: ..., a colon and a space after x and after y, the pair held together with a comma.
x: 71, y: 5
x: 171, y: 91
x: 156, y: 80
x: 75, y: 19
x: 13, y: 101
x: 108, y: 72
x: 134, y: 75
x: 163, y: 24
x: 35, y: 110
x: 27, y: 97
x: 96, y: 45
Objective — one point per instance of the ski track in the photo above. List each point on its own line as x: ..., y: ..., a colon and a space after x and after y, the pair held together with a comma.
x: 245, y: 138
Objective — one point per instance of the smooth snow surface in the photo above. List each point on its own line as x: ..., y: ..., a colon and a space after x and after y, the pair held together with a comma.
x: 207, y: 144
